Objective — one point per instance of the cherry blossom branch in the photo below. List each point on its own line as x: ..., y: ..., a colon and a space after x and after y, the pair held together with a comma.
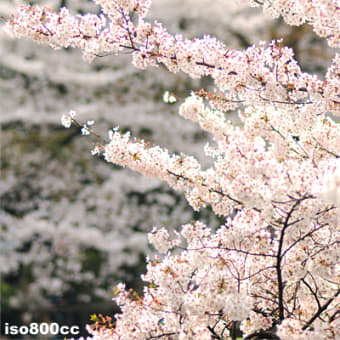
x: 261, y: 335
x: 321, y: 309
x: 314, y: 293
x: 162, y: 335
x: 324, y: 16
x: 192, y: 57
x: 280, y: 256
x: 210, y: 190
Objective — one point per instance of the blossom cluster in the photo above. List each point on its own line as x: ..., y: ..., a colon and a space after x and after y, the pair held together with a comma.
x: 223, y: 277
x: 323, y: 15
x: 259, y: 75
x: 274, y: 264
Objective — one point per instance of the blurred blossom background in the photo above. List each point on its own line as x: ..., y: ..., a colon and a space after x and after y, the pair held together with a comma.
x: 73, y: 226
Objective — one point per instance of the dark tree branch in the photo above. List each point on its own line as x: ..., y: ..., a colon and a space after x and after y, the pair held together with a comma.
x: 320, y: 310
x: 261, y: 335
x: 279, y: 256
x: 314, y: 293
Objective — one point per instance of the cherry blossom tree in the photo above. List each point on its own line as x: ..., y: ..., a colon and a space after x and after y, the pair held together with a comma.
x: 43, y: 210
x: 273, y: 266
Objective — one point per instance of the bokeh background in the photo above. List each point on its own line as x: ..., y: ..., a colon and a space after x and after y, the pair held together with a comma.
x: 73, y: 226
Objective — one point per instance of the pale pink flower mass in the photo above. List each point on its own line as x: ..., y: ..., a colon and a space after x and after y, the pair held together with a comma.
x: 274, y: 264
